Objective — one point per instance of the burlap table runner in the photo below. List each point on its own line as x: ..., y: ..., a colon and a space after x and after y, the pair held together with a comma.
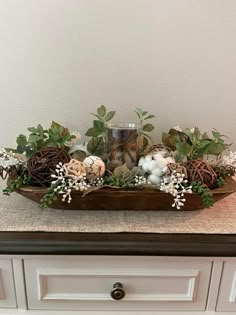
x: 20, y: 214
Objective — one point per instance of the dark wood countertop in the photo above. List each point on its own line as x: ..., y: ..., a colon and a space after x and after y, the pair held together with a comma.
x: 44, y: 243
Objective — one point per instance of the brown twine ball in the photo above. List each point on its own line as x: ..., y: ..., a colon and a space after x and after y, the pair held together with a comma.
x: 176, y: 167
x: 155, y: 148
x: 8, y: 172
x: 42, y: 164
x: 200, y: 170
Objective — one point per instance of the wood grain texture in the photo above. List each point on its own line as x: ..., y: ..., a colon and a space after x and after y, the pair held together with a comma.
x: 120, y: 199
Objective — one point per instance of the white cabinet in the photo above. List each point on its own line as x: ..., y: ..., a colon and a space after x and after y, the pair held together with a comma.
x: 86, y: 282
x: 82, y: 285
x: 7, y: 289
x: 227, y: 292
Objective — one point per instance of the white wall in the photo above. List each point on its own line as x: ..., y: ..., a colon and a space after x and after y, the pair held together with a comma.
x: 61, y: 59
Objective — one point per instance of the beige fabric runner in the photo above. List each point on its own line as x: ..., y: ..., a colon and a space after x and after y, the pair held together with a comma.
x: 20, y: 214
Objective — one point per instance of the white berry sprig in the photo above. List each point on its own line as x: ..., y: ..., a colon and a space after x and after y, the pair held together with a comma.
x: 176, y: 186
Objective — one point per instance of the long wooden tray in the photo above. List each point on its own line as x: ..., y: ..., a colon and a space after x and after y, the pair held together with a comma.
x: 120, y: 199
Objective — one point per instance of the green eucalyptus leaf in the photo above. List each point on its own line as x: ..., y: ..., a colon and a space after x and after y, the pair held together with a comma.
x: 101, y: 111
x: 148, y: 127
x: 21, y: 140
x: 99, y: 125
x: 109, y: 116
x: 184, y: 148
x: 93, y: 132
x: 40, y: 129
x: 32, y: 129
x: 96, y: 146
x: 149, y: 117
x: 34, y: 138
x: 202, y: 148
x: 96, y: 116
x: 139, y: 111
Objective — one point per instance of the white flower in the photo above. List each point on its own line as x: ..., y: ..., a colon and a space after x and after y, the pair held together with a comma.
x: 75, y: 139
x: 178, y: 128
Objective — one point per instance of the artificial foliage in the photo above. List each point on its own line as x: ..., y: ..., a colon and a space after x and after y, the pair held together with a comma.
x: 187, y: 161
x: 192, y: 144
x: 204, y: 191
x: 55, y: 136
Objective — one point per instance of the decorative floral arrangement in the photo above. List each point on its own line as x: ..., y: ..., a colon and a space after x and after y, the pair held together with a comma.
x: 118, y: 155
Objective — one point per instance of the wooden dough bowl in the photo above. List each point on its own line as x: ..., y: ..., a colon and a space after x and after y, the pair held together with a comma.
x: 121, y: 199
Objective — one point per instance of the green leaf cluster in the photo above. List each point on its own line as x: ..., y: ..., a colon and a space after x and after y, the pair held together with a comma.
x: 96, y: 144
x: 50, y: 196
x: 122, y: 176
x: 16, y: 183
x: 145, y: 127
x: 55, y: 136
x: 220, y: 181
x: 192, y: 144
x: 205, y: 193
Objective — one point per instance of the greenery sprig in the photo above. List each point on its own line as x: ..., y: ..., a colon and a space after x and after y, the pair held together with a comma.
x: 55, y: 136
x: 16, y: 184
x: 97, y: 133
x: 143, y: 132
x: 220, y: 182
x: 191, y: 144
x: 205, y: 193
x: 50, y: 196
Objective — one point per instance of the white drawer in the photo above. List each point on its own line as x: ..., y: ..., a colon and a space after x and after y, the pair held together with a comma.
x: 227, y: 293
x: 7, y: 289
x: 85, y: 282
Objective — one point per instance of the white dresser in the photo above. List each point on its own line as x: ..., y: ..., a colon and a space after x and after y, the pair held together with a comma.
x: 88, y: 284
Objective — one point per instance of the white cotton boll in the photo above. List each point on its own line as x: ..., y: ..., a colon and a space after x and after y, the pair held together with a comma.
x: 157, y: 172
x: 162, y: 162
x: 152, y: 165
x: 145, y: 167
x: 148, y: 158
x: 159, y: 155
x: 153, y: 179
x: 141, y: 161
x: 164, y: 170
x: 170, y: 159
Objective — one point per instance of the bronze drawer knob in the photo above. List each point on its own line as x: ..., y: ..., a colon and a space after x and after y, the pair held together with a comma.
x: 117, y: 293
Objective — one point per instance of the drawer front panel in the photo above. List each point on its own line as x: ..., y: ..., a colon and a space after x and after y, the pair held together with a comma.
x: 7, y: 289
x: 227, y: 293
x: 149, y: 283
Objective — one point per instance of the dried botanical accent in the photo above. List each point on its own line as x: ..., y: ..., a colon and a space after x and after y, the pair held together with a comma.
x: 76, y: 137
x: 200, y: 170
x: 225, y: 170
x: 176, y: 185
x: 62, y: 185
x: 79, y: 155
x: 155, y: 166
x: 75, y: 169
x: 95, y: 167
x: 157, y: 148
x: 176, y: 167
x: 42, y: 164
x: 10, y: 163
